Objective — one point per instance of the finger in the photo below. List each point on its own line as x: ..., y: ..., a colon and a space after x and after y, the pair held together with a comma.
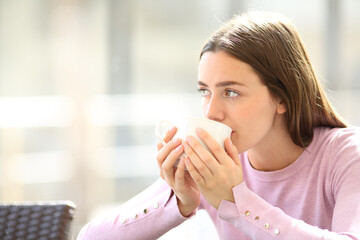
x: 165, y: 151
x: 200, y: 161
x: 159, y: 146
x: 204, y: 154
x: 232, y: 151
x: 215, y: 148
x: 161, y: 173
x: 168, y: 165
x: 195, y: 175
x: 180, y: 173
x: 168, y: 136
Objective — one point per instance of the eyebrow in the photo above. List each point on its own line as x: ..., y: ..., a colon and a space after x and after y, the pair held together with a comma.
x: 221, y: 84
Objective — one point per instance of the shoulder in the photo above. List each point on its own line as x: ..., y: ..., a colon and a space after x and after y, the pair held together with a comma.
x: 339, y: 150
x: 336, y: 138
x: 336, y: 148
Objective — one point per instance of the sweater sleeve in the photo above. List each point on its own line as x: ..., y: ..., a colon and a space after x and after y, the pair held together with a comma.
x: 148, y: 215
x: 260, y: 220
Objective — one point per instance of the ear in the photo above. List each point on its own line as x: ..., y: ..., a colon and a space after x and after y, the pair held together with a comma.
x: 281, y: 107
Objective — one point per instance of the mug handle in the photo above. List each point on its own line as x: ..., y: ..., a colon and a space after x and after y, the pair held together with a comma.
x: 158, y: 132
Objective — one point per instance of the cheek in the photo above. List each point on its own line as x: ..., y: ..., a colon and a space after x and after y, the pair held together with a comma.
x: 204, y: 106
x: 250, y: 114
x: 253, y: 122
x: 258, y: 110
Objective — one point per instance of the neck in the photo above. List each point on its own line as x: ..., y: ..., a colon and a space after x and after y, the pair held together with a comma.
x: 276, y: 152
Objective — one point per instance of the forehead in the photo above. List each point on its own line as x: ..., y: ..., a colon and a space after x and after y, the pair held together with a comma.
x: 215, y: 67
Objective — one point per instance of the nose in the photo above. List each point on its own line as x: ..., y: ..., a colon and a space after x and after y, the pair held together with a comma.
x: 213, y: 109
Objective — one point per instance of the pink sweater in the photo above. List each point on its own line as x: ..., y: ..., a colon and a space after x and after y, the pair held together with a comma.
x: 317, y: 197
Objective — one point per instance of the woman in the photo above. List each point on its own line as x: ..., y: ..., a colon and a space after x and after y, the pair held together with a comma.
x: 291, y: 167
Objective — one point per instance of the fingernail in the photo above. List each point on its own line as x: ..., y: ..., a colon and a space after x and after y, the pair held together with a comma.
x: 181, y: 161
x: 199, y: 130
x: 176, y: 141
x: 179, y: 148
x: 190, y: 139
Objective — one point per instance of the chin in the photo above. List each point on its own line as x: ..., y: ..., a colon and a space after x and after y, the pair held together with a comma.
x: 236, y: 141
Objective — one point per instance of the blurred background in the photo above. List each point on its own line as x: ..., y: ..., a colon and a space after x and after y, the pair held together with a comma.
x: 83, y: 83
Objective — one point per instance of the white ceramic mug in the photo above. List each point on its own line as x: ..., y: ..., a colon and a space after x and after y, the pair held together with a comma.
x: 217, y: 130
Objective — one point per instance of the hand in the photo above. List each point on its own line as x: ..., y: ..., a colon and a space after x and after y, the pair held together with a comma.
x: 184, y: 187
x: 216, y: 171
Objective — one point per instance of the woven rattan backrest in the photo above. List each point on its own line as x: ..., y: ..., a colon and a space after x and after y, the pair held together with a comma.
x: 36, y: 221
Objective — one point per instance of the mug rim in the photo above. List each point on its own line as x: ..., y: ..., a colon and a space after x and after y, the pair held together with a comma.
x: 207, y: 120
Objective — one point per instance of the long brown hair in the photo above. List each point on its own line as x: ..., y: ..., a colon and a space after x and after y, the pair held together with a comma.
x: 271, y: 45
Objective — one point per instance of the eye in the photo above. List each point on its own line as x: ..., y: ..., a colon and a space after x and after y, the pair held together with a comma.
x: 204, y: 92
x: 230, y: 93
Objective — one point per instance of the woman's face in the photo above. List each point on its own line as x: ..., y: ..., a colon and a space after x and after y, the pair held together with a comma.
x: 233, y: 94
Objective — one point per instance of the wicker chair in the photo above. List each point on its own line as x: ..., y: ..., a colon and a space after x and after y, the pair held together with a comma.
x: 36, y: 220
